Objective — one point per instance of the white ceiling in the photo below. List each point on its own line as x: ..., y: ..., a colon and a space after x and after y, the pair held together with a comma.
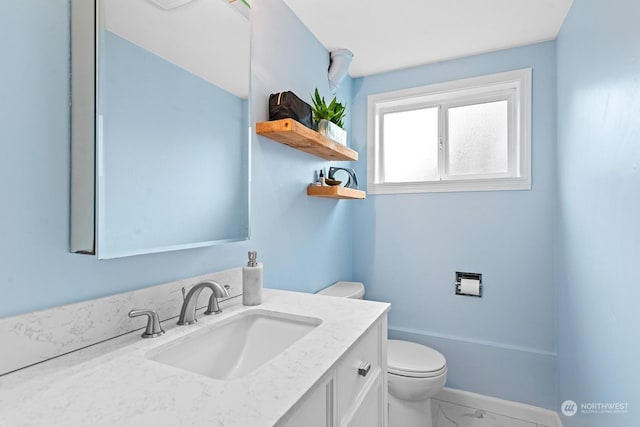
x: 384, y: 35
x: 387, y: 35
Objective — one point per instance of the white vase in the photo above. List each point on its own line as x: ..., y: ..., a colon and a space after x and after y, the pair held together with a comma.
x: 332, y: 131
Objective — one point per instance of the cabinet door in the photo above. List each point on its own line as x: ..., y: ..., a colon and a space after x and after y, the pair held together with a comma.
x: 316, y: 410
x: 370, y: 411
x: 362, y: 396
x: 350, y: 381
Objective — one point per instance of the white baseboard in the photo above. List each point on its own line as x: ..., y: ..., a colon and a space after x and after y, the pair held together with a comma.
x: 522, y: 411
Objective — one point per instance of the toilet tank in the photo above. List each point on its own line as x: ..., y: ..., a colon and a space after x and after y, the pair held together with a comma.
x: 353, y: 290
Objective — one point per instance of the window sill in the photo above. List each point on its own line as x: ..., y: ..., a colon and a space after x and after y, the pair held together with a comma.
x: 498, y: 184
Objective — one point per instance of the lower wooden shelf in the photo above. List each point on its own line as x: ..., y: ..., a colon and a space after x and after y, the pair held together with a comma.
x: 335, y: 192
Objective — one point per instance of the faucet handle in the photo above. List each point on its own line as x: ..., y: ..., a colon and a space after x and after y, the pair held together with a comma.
x: 153, y: 329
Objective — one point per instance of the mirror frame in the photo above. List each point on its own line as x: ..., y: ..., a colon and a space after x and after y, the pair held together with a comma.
x: 84, y: 127
x: 83, y: 130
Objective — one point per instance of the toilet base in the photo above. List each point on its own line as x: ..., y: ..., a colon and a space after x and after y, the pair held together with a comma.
x: 406, y: 413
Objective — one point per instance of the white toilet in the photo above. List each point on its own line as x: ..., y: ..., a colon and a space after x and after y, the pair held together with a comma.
x: 415, y: 372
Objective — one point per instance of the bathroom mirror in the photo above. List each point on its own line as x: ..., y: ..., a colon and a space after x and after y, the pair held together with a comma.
x: 160, y: 125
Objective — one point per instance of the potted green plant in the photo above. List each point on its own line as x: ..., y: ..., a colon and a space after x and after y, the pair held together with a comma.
x: 329, y: 118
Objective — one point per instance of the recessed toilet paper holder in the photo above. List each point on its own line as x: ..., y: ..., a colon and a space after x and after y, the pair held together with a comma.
x: 468, y: 276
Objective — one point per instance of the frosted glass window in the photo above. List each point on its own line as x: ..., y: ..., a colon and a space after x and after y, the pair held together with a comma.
x: 464, y: 135
x: 411, y: 145
x: 478, y: 139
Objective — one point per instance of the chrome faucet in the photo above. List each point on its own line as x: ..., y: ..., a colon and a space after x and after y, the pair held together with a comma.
x: 190, y: 303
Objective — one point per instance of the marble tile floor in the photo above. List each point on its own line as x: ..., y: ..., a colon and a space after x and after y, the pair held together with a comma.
x: 446, y: 414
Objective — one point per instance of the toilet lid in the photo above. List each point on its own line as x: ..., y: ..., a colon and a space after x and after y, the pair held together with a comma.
x: 414, y: 360
x: 353, y: 290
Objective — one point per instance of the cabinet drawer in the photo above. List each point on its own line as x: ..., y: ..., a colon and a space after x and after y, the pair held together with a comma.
x: 350, y: 380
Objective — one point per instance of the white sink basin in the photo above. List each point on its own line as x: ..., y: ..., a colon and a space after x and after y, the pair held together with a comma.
x: 236, y: 346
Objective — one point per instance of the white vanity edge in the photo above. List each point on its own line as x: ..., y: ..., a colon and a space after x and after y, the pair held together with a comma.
x: 113, y: 383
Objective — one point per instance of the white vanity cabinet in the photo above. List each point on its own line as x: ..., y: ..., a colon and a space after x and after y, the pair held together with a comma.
x: 353, y: 394
x: 320, y: 380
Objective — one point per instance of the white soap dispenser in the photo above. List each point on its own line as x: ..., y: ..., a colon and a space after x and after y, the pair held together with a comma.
x: 252, y: 281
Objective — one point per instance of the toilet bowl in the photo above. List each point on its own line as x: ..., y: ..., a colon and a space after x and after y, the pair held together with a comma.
x: 415, y: 372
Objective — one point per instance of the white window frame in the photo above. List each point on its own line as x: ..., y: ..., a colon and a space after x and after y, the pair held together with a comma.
x: 512, y: 86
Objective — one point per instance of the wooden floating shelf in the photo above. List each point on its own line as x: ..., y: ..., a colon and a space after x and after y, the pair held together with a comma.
x: 296, y: 135
x: 335, y: 192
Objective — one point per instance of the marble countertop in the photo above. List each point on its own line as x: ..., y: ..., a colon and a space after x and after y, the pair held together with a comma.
x: 114, y: 384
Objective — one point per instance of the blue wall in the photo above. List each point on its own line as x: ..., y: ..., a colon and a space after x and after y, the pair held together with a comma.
x: 408, y: 247
x: 307, y: 240
x: 304, y: 242
x: 599, y: 209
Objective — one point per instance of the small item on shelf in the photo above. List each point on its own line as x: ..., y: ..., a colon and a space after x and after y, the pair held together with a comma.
x: 352, y: 179
x: 322, y: 180
x: 329, y: 118
x: 287, y: 105
x: 252, y: 281
x: 330, y: 181
x: 332, y: 131
x: 333, y: 112
x: 316, y: 179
